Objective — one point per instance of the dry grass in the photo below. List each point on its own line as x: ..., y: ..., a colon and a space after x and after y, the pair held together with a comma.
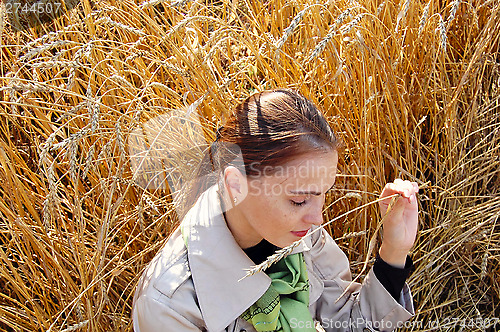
x: 411, y: 87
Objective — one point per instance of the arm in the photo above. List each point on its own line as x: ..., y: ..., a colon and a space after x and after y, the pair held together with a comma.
x: 366, y: 305
x: 401, y: 223
x: 392, y: 278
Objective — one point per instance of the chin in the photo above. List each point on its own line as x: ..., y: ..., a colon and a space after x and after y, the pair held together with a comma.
x: 284, y: 244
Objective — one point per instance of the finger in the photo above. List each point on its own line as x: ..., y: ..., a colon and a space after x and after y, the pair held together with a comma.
x: 386, y: 192
x: 391, y: 189
x: 411, y: 188
x: 406, y: 189
x: 413, y: 199
x: 403, y: 187
x: 398, y: 182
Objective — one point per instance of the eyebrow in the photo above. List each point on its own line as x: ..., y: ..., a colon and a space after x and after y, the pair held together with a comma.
x: 314, y: 193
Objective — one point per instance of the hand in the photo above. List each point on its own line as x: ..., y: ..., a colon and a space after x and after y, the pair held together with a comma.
x: 400, y: 225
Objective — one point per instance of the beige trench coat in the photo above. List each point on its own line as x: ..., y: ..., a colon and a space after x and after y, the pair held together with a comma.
x: 200, y: 289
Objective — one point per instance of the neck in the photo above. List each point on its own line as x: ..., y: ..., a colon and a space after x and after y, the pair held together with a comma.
x: 244, y: 235
x: 238, y: 224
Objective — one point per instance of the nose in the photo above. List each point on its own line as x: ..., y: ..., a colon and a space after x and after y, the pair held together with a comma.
x: 315, y: 214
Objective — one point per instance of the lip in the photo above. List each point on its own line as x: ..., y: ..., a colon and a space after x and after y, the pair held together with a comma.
x: 300, y: 233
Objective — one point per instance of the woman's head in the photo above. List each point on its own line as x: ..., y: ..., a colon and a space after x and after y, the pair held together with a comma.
x: 271, y: 128
x: 287, y: 148
x: 281, y: 206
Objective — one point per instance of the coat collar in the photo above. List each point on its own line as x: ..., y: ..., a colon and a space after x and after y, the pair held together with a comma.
x: 217, y: 264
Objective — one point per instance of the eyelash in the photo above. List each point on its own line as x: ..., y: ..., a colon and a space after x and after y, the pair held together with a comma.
x: 298, y: 203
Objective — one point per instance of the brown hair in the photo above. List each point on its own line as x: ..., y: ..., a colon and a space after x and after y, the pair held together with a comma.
x: 267, y: 129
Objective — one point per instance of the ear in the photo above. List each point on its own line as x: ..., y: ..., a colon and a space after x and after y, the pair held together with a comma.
x: 236, y: 185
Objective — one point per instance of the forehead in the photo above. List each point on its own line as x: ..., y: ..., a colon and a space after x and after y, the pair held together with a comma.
x: 317, y: 169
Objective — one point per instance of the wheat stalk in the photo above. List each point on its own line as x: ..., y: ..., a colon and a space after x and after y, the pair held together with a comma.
x: 52, y: 64
x: 321, y: 45
x: 277, y: 256
x: 380, y: 7
x: 484, y: 266
x: 42, y: 48
x: 76, y: 326
x: 125, y: 27
x: 373, y: 240
x: 94, y: 109
x: 152, y: 3
x: 119, y: 138
x: 51, y: 200
x: 88, y: 161
x: 72, y: 111
x: 351, y: 235
x: 348, y: 27
x: 26, y: 87
x: 69, y: 140
x: 73, y: 162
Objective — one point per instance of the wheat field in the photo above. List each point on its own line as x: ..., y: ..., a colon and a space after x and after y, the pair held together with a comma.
x: 412, y: 88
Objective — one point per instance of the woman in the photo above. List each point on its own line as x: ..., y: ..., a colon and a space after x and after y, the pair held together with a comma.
x: 272, y: 199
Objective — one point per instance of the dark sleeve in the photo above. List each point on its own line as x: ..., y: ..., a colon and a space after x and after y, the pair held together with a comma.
x: 392, y: 278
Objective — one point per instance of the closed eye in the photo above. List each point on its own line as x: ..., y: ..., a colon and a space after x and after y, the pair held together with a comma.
x: 298, y: 203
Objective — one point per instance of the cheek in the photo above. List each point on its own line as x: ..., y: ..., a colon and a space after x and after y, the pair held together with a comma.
x: 285, y: 214
x: 273, y: 211
x: 262, y: 208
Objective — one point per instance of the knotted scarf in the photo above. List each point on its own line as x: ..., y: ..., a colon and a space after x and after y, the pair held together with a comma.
x: 284, y: 306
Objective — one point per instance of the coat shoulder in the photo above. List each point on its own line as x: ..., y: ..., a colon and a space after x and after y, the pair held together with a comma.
x: 165, y: 294
x: 173, y: 276
x: 169, y: 269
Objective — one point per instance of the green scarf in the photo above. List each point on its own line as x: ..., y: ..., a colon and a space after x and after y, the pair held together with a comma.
x: 284, y: 306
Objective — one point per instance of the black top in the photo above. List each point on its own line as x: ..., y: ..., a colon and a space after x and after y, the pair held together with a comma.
x: 392, y: 278
x: 259, y: 252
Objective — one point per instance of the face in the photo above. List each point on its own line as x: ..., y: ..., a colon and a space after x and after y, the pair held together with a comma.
x: 281, y: 207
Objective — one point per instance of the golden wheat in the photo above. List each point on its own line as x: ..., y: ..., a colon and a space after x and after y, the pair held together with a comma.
x: 411, y: 87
